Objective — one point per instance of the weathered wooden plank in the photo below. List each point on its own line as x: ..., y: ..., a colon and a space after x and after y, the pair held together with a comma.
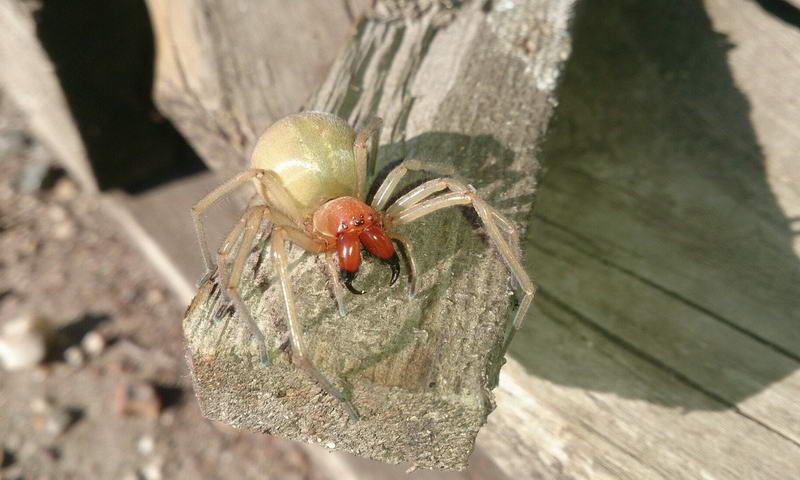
x: 670, y: 237
x: 226, y: 71
x: 576, y: 404
x: 158, y: 223
x: 30, y: 80
x: 722, y: 361
x: 764, y: 66
x: 453, y: 85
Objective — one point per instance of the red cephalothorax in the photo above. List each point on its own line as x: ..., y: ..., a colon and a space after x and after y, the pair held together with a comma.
x: 353, y: 223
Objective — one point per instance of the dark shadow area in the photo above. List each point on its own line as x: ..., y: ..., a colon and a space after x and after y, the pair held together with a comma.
x: 170, y: 396
x: 665, y: 264
x: 783, y: 10
x: 73, y: 333
x: 481, y: 160
x: 7, y: 458
x: 104, y: 56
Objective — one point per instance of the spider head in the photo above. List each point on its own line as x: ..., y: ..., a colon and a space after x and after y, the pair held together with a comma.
x: 355, y: 224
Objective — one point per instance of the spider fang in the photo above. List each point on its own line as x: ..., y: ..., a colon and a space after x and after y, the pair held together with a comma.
x: 347, y: 278
x: 394, y: 262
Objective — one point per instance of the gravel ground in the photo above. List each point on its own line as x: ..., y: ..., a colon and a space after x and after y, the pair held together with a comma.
x: 125, y: 411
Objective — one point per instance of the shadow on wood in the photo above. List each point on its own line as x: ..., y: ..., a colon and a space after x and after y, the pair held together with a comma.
x: 103, y: 54
x: 657, y: 234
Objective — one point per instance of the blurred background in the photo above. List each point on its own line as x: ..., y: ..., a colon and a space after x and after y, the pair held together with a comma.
x: 665, y: 243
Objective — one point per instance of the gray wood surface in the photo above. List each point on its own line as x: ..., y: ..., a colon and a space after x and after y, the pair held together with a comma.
x: 663, y: 342
x: 226, y: 71
x: 472, y: 87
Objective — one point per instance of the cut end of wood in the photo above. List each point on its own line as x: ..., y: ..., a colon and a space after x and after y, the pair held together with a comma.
x: 425, y: 425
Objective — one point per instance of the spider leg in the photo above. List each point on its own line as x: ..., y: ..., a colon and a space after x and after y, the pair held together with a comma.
x: 432, y: 187
x: 309, y: 244
x: 412, y: 263
x: 393, y: 179
x: 225, y: 250
x: 200, y: 207
x: 247, y: 228
x: 283, y: 207
x: 299, y: 353
x: 230, y: 242
x: 362, y: 156
x: 314, y: 246
x: 338, y: 293
x: 463, y: 195
x: 508, y: 228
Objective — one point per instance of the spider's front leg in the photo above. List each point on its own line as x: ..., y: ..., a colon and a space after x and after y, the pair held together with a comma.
x: 299, y: 352
x: 338, y: 292
x: 417, y: 204
x: 362, y: 155
x: 392, y: 180
x: 199, y: 208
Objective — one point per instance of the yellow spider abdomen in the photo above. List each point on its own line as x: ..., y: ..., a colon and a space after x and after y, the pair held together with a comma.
x: 312, y: 155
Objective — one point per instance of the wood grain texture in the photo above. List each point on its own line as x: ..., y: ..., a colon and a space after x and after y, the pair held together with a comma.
x: 663, y: 341
x: 30, y: 80
x: 472, y: 87
x: 226, y: 71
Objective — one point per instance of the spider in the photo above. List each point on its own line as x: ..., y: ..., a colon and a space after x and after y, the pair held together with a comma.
x: 310, y: 171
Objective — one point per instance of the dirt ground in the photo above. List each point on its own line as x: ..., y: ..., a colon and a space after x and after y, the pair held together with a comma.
x: 62, y: 261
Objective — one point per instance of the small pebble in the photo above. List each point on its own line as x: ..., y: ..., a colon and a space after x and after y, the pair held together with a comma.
x: 40, y: 405
x: 23, y: 343
x: 56, y: 213
x: 64, y: 230
x: 137, y: 399
x: 93, y: 343
x: 154, y: 297
x: 48, y: 418
x: 57, y: 422
x: 65, y: 190
x: 74, y: 356
x: 152, y: 471
x: 146, y: 445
